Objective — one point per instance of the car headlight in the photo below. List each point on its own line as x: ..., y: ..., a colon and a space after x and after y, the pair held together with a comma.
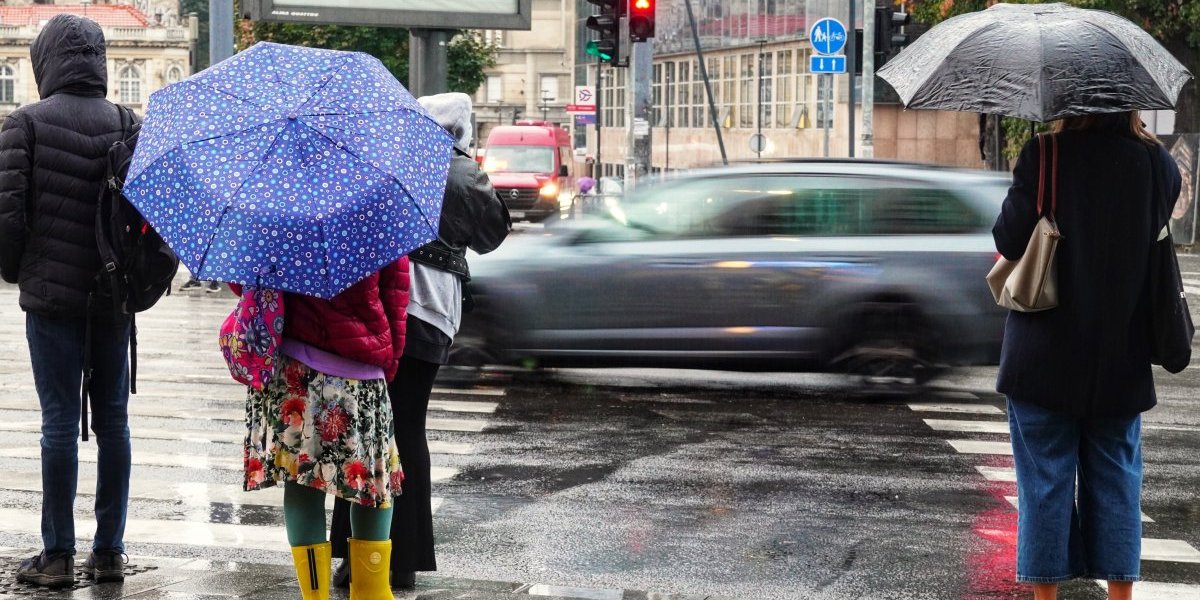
x: 550, y: 190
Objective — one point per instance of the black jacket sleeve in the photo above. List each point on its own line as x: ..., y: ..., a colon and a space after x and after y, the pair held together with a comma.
x: 1170, y: 181
x: 1019, y: 214
x: 15, y: 164
x: 472, y: 214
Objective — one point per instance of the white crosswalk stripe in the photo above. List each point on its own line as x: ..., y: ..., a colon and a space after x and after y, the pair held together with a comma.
x: 1153, y: 549
x: 187, y: 396
x: 1163, y: 591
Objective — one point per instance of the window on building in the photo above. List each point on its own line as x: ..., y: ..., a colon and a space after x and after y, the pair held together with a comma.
x: 174, y: 74
x: 746, y: 99
x: 495, y: 92
x: 698, y: 95
x: 129, y: 84
x: 825, y: 108
x: 8, y: 85
x: 494, y: 37
x: 685, y: 93
x: 727, y: 92
x: 671, y: 87
x: 548, y: 89
x: 767, y: 69
x: 784, y: 89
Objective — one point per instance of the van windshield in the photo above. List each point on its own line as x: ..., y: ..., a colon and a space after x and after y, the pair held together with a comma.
x: 519, y: 159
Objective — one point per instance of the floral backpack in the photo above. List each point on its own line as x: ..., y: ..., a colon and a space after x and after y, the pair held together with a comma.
x: 251, y: 336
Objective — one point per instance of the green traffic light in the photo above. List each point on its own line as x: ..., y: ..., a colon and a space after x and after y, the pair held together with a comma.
x: 593, y: 49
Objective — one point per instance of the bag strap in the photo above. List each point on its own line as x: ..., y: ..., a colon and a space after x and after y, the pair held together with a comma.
x: 1042, y: 174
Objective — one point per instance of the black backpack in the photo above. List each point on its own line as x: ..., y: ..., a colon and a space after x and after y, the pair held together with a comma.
x: 137, y: 266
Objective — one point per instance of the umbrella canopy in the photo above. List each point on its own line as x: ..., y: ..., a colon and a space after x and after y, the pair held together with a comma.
x: 1038, y: 62
x: 293, y: 168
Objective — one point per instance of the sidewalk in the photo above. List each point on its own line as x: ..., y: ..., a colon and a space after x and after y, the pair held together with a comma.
x: 156, y: 578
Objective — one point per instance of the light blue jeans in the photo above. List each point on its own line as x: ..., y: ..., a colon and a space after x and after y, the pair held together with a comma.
x: 1079, y: 486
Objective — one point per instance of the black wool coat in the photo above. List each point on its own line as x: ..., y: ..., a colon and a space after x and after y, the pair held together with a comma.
x: 52, y: 166
x: 1090, y: 356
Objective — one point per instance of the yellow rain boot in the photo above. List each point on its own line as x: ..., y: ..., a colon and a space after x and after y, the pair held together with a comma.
x: 370, y: 565
x: 312, y: 570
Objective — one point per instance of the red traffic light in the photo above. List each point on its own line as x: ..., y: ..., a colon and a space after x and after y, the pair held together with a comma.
x: 641, y: 20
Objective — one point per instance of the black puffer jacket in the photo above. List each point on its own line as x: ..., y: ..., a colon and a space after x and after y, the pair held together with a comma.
x: 52, y: 165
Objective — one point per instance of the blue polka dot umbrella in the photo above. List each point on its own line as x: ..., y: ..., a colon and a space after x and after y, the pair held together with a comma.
x: 299, y: 169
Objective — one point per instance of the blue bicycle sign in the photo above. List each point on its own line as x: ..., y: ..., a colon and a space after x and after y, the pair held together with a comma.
x: 828, y: 36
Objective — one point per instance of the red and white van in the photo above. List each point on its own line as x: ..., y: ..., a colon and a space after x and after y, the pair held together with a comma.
x: 530, y: 166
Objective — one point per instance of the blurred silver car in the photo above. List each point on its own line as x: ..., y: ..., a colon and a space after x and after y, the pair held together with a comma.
x: 870, y: 268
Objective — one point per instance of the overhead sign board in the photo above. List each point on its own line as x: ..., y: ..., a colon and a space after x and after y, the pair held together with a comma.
x: 438, y: 14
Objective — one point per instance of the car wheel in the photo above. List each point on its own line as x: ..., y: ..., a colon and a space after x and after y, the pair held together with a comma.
x: 889, y: 351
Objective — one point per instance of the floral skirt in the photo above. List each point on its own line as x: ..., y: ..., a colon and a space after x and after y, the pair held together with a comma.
x: 325, y: 432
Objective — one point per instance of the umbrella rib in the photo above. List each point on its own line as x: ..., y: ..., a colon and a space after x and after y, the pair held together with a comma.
x: 345, y: 63
x: 1041, y: 84
x: 346, y: 148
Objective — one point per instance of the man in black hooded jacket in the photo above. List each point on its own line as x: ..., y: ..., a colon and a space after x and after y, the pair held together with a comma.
x: 52, y: 167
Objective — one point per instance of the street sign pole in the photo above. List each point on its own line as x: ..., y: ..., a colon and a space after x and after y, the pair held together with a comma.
x: 850, y: 100
x: 637, y: 157
x: 868, y: 70
x: 827, y: 104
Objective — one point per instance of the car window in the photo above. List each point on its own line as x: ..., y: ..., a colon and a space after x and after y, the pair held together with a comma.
x: 913, y: 209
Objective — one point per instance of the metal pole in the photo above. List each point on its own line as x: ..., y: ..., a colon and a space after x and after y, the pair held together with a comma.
x: 670, y: 92
x: 827, y: 106
x: 850, y: 65
x: 220, y: 30
x: 427, y: 61
x: 868, y: 100
x: 712, y: 104
x: 641, y: 67
x: 599, y: 119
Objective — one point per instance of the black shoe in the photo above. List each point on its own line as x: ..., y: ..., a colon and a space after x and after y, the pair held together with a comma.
x: 404, y: 580
x: 105, y: 566
x: 191, y: 283
x: 213, y: 288
x: 52, y: 571
x: 341, y: 575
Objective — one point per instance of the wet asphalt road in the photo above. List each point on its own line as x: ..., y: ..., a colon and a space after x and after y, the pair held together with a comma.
x: 704, y: 483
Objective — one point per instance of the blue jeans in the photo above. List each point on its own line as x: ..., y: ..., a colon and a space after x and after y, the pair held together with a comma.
x: 1065, y: 530
x: 56, y: 349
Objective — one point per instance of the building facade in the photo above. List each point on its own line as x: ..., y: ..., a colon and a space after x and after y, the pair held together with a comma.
x: 757, y: 59
x: 149, y: 46
x: 532, y: 77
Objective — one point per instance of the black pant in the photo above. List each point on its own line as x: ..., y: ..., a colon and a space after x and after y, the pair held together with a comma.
x: 412, y: 517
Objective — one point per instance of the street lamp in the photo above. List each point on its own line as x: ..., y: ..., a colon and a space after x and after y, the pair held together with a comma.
x: 545, y: 104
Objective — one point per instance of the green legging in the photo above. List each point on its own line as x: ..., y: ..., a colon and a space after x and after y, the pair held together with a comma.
x: 304, y: 517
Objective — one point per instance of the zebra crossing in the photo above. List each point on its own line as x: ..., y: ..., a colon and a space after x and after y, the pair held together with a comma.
x: 960, y: 415
x: 186, y: 429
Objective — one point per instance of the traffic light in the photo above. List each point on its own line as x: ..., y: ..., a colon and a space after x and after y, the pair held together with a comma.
x: 889, y: 33
x: 641, y: 20
x: 608, y: 24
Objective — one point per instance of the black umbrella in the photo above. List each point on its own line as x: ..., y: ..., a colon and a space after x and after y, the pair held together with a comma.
x: 1038, y: 62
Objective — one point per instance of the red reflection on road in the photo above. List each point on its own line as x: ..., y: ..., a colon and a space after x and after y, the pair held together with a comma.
x: 992, y: 558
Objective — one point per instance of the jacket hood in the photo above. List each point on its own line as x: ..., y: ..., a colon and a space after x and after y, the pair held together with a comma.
x: 453, y: 112
x: 69, y: 57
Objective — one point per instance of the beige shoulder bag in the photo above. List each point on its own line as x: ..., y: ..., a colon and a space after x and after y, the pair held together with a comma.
x: 1030, y: 284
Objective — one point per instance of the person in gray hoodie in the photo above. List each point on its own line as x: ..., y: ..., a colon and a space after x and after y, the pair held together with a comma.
x: 472, y: 217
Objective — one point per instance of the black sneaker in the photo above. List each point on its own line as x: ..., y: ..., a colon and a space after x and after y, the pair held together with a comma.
x: 105, y: 566
x: 213, y: 288
x: 190, y: 284
x: 52, y: 571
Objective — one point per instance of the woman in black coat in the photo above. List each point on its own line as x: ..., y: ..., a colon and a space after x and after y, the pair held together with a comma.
x: 1077, y: 376
x: 472, y: 217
